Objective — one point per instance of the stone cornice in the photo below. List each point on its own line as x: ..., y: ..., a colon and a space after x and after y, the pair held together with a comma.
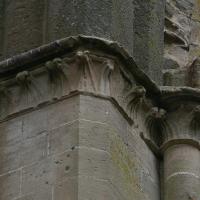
x: 32, y: 58
x: 28, y: 60
x: 75, y: 64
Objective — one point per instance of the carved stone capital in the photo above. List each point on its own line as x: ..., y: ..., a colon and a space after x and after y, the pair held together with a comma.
x: 178, y: 123
x: 76, y: 64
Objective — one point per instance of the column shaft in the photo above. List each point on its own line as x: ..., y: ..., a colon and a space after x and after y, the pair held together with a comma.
x: 181, y: 172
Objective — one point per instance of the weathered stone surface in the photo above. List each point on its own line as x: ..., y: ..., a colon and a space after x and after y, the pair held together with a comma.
x: 82, y: 120
x: 29, y: 121
x: 1, y: 27
x: 80, y: 18
x: 182, y: 41
x: 106, y: 18
x: 174, y: 77
x: 10, y: 185
x: 60, y: 136
x: 182, y: 173
x: 39, y: 194
x: 11, y: 137
x: 24, y: 25
x: 57, y: 157
x: 173, y: 134
x: 148, y: 39
x: 67, y: 189
x: 64, y: 137
x: 19, y: 151
x: 45, y: 21
x: 62, y: 110
x: 28, y: 148
x: 97, y: 189
x: 94, y: 134
x: 49, y: 171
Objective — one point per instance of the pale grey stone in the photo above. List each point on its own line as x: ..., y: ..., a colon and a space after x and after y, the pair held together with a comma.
x: 10, y: 185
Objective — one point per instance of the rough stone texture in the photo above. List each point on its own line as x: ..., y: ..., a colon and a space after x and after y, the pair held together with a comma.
x: 148, y: 36
x: 182, y: 41
x: 108, y: 19
x: 27, y: 24
x: 132, y: 24
x: 10, y: 185
x: 23, y: 25
x: 1, y: 27
x: 59, y: 157
x: 182, y: 173
x: 137, y: 25
x: 182, y: 30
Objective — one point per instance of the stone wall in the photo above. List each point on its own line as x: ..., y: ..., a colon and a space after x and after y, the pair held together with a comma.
x: 29, y: 24
x: 182, y: 42
x: 148, y: 37
x: 23, y: 25
x: 1, y: 27
x: 66, y: 150
x: 136, y: 26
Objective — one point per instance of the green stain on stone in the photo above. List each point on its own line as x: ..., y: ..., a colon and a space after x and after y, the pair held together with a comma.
x: 126, y: 164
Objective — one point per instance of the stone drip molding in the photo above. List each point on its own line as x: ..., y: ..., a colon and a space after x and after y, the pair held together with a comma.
x: 101, y: 68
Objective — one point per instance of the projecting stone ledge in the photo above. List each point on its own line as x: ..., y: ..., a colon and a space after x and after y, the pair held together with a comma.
x: 79, y: 63
x: 69, y: 45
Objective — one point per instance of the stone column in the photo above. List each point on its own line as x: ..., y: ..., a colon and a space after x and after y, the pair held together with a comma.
x: 181, y: 152
x: 174, y: 136
x: 181, y: 172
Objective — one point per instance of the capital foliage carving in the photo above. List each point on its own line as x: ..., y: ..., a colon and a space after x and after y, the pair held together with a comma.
x: 178, y: 125
x: 95, y: 71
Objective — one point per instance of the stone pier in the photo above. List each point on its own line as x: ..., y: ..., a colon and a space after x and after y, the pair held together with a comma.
x: 181, y: 151
x: 181, y: 172
x: 67, y: 125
